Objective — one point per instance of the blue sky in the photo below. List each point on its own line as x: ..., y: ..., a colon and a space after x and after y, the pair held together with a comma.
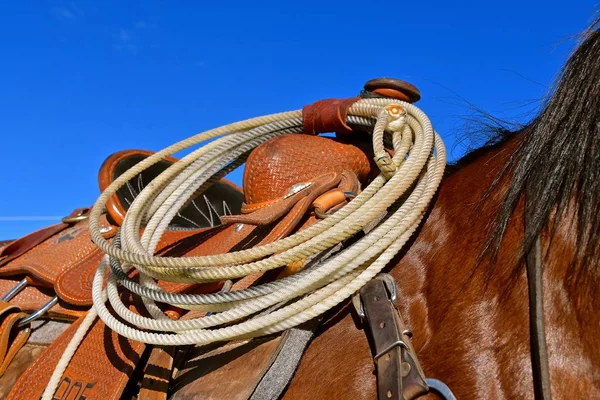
x: 80, y: 80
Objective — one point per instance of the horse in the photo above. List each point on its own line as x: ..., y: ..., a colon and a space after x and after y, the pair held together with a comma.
x: 462, y: 284
x: 462, y: 280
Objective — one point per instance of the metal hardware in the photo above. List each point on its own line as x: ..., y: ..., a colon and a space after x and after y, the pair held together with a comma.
x: 321, y: 214
x: 83, y: 215
x: 388, y: 348
x: 43, y: 310
x: 357, y: 303
x: 390, y: 284
x: 15, y: 290
x: 298, y: 187
x: 35, y: 315
x: 440, y: 389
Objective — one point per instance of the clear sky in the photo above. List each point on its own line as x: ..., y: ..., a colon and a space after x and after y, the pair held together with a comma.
x: 82, y: 79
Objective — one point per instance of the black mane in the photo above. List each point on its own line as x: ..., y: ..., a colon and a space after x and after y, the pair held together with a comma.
x: 557, y: 165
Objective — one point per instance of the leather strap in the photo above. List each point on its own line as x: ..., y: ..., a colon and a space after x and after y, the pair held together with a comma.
x: 12, y: 337
x: 539, y: 349
x: 22, y: 245
x: 399, y: 375
x: 158, y: 373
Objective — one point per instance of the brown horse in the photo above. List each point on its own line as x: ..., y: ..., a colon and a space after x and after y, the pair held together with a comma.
x: 469, y: 312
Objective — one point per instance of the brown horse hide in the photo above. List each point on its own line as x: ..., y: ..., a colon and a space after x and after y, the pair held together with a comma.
x: 470, y: 328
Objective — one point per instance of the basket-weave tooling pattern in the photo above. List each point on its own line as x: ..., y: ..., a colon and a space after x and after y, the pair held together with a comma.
x: 100, y: 368
x: 47, y: 261
x: 282, y: 162
x: 32, y: 298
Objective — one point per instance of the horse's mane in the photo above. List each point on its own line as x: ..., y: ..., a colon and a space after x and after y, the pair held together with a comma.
x: 557, y: 164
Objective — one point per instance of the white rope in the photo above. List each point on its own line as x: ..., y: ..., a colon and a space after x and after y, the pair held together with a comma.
x: 403, y: 190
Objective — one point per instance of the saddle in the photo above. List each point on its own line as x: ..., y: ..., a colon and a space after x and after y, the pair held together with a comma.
x: 46, y: 277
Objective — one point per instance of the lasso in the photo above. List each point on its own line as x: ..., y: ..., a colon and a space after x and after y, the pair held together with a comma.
x: 402, y: 192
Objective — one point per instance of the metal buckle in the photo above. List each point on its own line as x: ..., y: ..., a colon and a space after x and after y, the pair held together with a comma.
x: 36, y: 314
x: 81, y: 216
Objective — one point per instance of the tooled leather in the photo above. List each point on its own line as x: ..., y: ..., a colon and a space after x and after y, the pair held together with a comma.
x: 279, y: 207
x: 18, y: 247
x: 109, y: 379
x: 278, y: 164
x: 32, y: 298
x: 196, y: 380
x: 293, y: 218
x: 221, y: 239
x: 74, y: 285
x: 101, y: 366
x: 267, y: 213
x: 45, y: 262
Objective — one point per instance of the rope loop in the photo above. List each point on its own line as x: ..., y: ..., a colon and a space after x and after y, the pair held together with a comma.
x: 411, y: 170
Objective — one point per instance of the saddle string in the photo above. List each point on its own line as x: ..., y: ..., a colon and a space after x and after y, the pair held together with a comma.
x: 408, y: 182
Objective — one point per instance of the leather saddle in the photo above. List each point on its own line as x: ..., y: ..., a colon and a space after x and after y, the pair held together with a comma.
x: 58, y: 262
x: 46, y: 277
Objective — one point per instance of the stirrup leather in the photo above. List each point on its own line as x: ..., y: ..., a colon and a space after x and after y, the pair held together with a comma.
x: 399, y: 374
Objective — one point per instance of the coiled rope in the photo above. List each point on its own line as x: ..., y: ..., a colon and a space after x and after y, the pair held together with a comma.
x: 401, y: 192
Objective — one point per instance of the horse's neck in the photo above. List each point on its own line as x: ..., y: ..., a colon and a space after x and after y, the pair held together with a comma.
x: 482, y: 313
